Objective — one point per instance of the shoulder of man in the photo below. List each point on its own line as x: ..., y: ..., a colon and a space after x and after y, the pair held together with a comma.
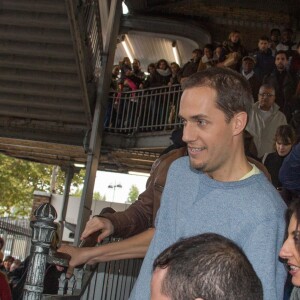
x: 168, y: 158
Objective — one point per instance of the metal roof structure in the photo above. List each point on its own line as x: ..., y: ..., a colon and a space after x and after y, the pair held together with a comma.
x: 51, y: 53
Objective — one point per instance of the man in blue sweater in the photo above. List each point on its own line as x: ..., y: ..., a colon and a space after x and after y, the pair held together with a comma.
x: 215, y: 189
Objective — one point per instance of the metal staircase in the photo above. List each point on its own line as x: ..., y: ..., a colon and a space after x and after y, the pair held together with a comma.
x: 50, y: 52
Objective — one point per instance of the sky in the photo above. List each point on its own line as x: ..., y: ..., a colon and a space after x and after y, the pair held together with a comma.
x: 120, y: 195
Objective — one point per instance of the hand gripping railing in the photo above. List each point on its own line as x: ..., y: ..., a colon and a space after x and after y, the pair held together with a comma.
x: 111, y: 280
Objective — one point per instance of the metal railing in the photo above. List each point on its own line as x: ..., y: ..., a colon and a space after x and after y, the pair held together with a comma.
x: 145, y: 110
x: 112, y: 280
x: 17, y: 237
x: 92, y: 27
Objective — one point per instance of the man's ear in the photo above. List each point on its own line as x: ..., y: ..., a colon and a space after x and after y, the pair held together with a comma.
x: 239, y: 122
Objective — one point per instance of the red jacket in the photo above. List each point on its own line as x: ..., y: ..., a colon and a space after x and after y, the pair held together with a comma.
x: 5, y: 293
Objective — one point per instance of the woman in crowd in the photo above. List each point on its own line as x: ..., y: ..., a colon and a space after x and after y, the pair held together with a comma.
x: 290, y: 251
x: 284, y: 140
x: 164, y: 70
x: 175, y: 68
x: 233, y: 51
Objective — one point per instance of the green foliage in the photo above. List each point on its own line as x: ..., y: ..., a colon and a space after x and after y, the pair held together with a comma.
x: 98, y: 197
x: 133, y: 193
x: 20, y: 178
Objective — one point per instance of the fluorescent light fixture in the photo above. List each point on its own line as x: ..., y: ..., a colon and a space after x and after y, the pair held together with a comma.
x: 124, y: 8
x: 138, y: 173
x: 176, y: 53
x: 79, y: 165
x: 127, y: 50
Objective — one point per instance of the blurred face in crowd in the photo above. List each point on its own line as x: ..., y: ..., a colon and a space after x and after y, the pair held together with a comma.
x: 263, y: 45
x: 266, y: 98
x: 174, y: 68
x: 116, y: 71
x: 234, y: 37
x: 275, y: 36
x: 136, y: 64
x: 196, y: 54
x: 162, y: 65
x: 290, y: 252
x: 282, y: 148
x: 127, y: 61
x: 151, y: 69
x: 7, y: 264
x: 286, y: 36
x: 281, y: 61
x: 248, y: 65
x: 218, y: 51
x: 208, y: 53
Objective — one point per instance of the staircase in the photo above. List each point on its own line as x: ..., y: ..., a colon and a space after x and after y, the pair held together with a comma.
x: 50, y: 53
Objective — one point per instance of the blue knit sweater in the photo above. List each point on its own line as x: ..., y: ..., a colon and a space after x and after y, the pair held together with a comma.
x: 250, y: 212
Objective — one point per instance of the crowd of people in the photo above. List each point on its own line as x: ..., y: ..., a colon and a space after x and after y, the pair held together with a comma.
x: 211, y: 223
x: 274, y: 61
x: 211, y: 187
x: 234, y: 102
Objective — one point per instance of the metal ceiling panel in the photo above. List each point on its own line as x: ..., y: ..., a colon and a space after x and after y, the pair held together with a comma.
x: 150, y: 47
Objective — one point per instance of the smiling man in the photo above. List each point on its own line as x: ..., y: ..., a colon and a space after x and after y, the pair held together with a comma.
x: 215, y: 189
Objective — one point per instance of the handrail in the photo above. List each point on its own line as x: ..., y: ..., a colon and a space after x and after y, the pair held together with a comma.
x: 144, y: 110
x: 92, y: 30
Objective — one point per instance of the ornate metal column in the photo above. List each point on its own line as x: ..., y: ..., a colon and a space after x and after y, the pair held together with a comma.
x: 42, y: 236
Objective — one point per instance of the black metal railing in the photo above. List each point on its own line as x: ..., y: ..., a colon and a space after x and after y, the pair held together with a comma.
x: 145, y: 110
x: 92, y: 34
x: 17, y: 237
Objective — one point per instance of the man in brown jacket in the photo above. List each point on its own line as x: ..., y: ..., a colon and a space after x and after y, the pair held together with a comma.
x: 141, y: 214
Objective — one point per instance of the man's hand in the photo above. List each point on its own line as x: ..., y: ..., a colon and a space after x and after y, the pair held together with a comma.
x: 79, y: 256
x: 96, y: 224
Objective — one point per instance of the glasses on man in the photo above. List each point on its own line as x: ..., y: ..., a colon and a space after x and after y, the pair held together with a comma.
x: 266, y: 95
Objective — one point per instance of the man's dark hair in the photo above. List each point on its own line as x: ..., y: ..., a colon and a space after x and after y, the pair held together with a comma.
x: 209, y: 46
x: 281, y: 52
x: 264, y: 38
x: 208, y: 266
x: 233, y: 90
x: 275, y: 30
x: 8, y: 258
x: 286, y: 134
x: 198, y: 51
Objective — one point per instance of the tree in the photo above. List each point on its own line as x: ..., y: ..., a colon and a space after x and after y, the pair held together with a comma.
x: 98, y: 197
x: 133, y: 193
x: 20, y: 178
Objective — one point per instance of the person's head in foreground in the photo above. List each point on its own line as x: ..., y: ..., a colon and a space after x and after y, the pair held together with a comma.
x: 214, y: 108
x: 204, y: 267
x: 290, y: 250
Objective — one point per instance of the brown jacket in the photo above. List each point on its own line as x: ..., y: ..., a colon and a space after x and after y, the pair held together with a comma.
x: 133, y: 220
x: 141, y: 214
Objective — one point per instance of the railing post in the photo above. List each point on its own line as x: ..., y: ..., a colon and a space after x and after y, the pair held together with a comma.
x: 42, y: 235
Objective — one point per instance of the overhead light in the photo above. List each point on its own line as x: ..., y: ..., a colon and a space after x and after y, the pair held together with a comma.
x: 124, y: 8
x: 176, y: 53
x: 127, y: 47
x: 138, y: 173
x: 79, y: 165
